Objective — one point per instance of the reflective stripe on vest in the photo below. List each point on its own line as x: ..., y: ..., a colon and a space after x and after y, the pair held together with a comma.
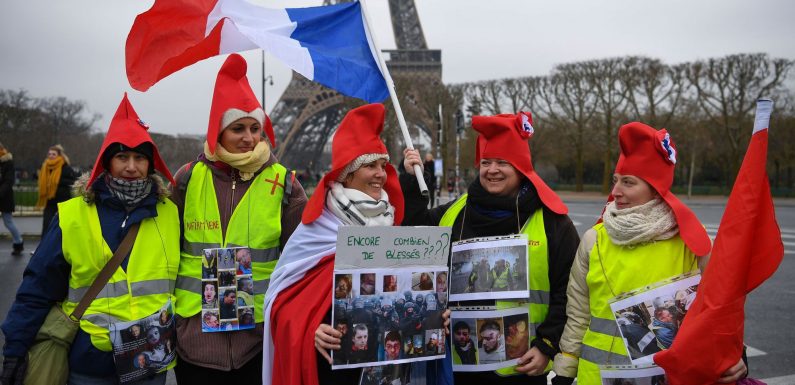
x: 627, y: 268
x: 537, y: 262
x: 141, y: 290
x: 202, y: 230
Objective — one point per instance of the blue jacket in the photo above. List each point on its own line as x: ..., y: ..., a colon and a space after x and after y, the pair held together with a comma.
x: 46, y: 281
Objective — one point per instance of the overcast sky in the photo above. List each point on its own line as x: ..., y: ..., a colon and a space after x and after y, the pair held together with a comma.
x: 75, y: 48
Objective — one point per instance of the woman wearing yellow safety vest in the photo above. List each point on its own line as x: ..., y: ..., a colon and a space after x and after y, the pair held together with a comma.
x: 121, y: 191
x: 509, y: 198
x: 235, y: 194
x: 645, y: 235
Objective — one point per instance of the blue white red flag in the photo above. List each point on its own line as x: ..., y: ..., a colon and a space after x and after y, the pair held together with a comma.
x: 328, y: 44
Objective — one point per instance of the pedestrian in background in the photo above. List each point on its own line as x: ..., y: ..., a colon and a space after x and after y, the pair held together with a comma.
x: 430, y: 176
x: 7, y: 179
x: 56, y: 178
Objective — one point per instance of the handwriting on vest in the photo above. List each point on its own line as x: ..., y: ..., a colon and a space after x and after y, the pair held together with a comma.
x: 203, y: 224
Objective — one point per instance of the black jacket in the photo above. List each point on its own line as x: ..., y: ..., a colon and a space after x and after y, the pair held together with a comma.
x: 561, y: 236
x: 7, y: 184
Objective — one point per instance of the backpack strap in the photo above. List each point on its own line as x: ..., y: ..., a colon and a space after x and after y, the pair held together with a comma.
x: 289, y: 179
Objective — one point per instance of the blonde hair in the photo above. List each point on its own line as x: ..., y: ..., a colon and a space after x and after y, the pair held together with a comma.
x: 59, y: 149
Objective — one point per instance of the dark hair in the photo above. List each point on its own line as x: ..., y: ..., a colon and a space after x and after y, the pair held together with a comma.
x: 460, y: 325
x: 394, y: 335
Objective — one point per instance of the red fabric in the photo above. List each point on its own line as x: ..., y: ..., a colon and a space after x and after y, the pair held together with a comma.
x: 169, y: 37
x: 644, y: 155
x: 233, y: 91
x: 128, y: 129
x: 300, y: 308
x: 505, y: 137
x: 358, y: 134
x: 747, y: 251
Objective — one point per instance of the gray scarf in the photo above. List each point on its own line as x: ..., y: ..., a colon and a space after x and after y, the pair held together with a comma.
x: 355, y: 208
x: 129, y: 192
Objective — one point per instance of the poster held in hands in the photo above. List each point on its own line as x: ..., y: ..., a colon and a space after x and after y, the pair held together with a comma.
x: 390, y: 289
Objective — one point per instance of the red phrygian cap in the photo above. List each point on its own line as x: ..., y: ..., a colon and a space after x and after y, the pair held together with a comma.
x: 358, y: 134
x: 651, y: 155
x: 505, y: 137
x: 233, y: 91
x: 128, y: 129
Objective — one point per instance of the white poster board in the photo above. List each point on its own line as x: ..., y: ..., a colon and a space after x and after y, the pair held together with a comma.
x: 390, y: 289
x: 649, y: 318
x: 489, y: 268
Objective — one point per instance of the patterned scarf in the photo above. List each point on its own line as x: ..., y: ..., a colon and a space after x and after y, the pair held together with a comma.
x: 651, y: 221
x: 355, y: 208
x: 246, y: 163
x: 49, y: 176
x: 129, y: 192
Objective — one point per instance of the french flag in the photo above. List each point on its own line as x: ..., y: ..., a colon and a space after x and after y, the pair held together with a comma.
x: 330, y: 44
x: 747, y: 251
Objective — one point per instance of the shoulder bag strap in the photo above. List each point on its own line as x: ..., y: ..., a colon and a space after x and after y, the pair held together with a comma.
x: 104, y: 276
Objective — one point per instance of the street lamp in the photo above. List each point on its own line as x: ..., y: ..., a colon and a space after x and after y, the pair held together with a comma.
x: 266, y: 80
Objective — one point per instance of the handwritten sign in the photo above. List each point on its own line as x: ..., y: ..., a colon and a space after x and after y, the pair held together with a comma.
x: 385, y: 246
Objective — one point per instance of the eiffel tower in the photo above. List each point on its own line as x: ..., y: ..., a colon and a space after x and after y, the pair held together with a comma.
x: 307, y: 113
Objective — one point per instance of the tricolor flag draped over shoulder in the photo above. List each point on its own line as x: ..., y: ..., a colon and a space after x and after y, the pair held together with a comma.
x: 747, y: 251
x: 329, y: 44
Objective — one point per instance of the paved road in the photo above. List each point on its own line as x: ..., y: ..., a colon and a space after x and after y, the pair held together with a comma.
x: 769, y: 322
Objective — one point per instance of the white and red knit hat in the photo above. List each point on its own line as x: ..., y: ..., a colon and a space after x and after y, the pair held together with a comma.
x: 233, y: 99
x: 357, y: 142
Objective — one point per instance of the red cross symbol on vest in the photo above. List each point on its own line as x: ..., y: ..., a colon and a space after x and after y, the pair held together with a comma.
x: 275, y: 183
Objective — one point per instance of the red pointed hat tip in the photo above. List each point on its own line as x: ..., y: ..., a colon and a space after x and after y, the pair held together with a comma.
x: 235, y: 66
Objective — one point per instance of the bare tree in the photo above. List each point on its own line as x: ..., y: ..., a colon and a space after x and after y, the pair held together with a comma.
x: 570, y: 105
x: 727, y: 89
x: 606, y: 77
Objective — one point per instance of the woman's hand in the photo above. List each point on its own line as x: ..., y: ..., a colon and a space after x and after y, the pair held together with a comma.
x: 327, y: 338
x: 736, y: 372
x: 410, y: 158
x: 446, y: 318
x: 532, y: 363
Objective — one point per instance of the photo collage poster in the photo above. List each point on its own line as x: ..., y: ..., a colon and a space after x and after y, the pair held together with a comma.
x: 145, y: 346
x: 489, y: 268
x: 227, y: 290
x: 632, y: 375
x: 649, y: 318
x: 390, y: 290
x: 489, y: 339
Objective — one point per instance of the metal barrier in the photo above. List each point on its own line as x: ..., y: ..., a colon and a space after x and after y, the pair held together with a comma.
x: 25, y: 198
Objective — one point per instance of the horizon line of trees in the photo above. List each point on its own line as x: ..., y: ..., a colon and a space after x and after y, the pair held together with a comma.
x: 707, y: 106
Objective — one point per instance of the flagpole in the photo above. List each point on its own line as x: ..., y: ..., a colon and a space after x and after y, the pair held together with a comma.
x: 390, y: 85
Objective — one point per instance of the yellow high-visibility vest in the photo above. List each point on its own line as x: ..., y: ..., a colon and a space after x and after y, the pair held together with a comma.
x: 255, y: 223
x: 140, y: 291
x: 537, y: 267
x: 622, y: 269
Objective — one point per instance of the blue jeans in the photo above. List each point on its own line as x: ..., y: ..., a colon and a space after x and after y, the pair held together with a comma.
x: 81, y: 379
x: 8, y: 220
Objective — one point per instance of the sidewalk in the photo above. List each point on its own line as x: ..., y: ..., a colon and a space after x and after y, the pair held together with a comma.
x: 29, y: 226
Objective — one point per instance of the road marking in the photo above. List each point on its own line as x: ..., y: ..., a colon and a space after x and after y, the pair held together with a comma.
x: 783, y: 380
x: 753, y: 352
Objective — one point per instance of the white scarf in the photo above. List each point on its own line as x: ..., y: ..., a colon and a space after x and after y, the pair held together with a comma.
x: 355, y: 208
x: 651, y: 221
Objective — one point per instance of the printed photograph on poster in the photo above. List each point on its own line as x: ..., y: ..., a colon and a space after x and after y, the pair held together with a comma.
x: 227, y: 290
x: 632, y: 375
x: 649, y: 319
x: 390, y: 375
x: 486, y: 340
x: 489, y: 268
x: 397, y: 326
x: 145, y: 346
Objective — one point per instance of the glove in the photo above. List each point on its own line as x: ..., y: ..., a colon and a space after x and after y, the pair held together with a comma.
x: 560, y: 380
x: 13, y: 371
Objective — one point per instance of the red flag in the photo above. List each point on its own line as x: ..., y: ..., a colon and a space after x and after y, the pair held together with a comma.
x: 747, y: 251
